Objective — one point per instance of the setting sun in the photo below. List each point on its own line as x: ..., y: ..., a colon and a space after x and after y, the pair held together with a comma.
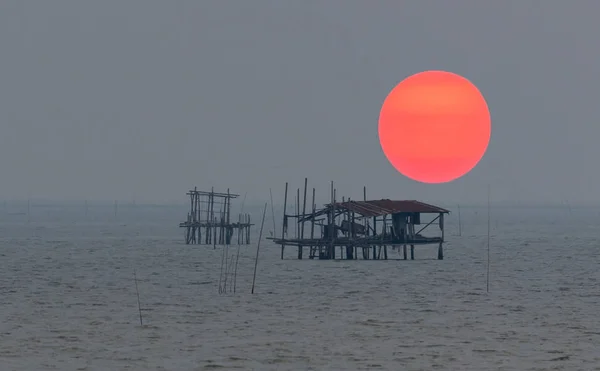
x: 434, y: 126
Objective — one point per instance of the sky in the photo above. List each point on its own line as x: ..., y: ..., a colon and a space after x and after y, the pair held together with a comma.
x: 113, y: 99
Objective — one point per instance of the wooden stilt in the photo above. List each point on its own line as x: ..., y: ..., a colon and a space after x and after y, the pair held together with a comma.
x: 296, y: 212
x: 331, y: 226
x: 312, y: 225
x: 441, y: 248
x: 214, y: 237
x: 284, y: 223
x: 248, y: 229
x: 334, y: 226
x: 300, y: 247
x: 228, y: 220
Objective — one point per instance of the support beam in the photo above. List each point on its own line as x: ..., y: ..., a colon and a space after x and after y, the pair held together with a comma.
x: 210, y: 226
x: 284, y: 223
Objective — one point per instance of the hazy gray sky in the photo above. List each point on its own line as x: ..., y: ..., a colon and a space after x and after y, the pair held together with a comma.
x: 101, y: 99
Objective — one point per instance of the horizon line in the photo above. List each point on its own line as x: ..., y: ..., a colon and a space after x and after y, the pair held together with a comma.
x: 256, y: 203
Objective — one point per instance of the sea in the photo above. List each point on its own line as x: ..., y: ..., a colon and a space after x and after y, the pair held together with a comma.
x: 68, y: 296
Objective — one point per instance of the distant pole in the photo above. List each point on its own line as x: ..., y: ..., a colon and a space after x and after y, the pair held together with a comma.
x: 221, y: 272
x: 273, y: 214
x: 283, y: 223
x: 488, y: 243
x: 28, y: 209
x: 116, y: 208
x: 138, y: 298
x: 258, y: 246
x: 237, y: 259
x: 86, y: 208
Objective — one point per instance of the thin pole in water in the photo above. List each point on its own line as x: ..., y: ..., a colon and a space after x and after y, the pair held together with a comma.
x: 258, y: 246
x: 273, y: 214
x: 488, y: 243
x: 221, y: 272
x: 138, y: 297
x: 237, y: 259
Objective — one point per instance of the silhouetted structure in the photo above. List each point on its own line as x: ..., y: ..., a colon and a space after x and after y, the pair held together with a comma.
x: 209, y: 220
x: 368, y: 226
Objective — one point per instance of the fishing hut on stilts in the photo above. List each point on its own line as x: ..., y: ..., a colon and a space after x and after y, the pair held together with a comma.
x: 209, y: 220
x: 364, y: 229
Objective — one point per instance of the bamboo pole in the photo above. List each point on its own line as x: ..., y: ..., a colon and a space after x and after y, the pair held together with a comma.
x: 248, y: 230
x: 331, y: 250
x: 301, y: 248
x: 237, y: 259
x: 209, y: 227
x: 227, y: 218
x: 226, y: 253
x: 258, y: 247
x: 334, y: 235
x: 208, y: 218
x: 221, y: 271
x: 284, y: 222
x: 312, y: 221
x: 138, y: 297
x: 273, y: 214
x: 488, y: 243
x: 297, y: 212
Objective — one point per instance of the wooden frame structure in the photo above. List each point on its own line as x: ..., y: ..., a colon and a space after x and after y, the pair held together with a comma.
x: 209, y: 220
x: 368, y: 226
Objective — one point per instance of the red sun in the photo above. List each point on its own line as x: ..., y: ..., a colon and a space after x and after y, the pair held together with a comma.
x: 434, y: 126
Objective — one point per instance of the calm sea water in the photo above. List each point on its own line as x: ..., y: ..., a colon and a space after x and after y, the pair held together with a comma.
x: 68, y: 298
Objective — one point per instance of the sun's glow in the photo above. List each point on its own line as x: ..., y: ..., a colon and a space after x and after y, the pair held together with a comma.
x: 434, y: 126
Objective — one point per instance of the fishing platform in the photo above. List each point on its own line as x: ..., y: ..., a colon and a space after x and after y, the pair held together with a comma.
x: 209, y: 220
x: 367, y: 227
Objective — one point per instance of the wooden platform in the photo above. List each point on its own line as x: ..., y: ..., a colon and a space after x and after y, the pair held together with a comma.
x: 370, y: 226
x: 209, y: 220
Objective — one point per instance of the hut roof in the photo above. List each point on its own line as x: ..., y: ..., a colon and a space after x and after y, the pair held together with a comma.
x: 383, y: 207
x: 386, y: 206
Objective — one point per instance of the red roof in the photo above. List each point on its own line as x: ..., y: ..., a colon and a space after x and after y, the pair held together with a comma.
x: 385, y: 207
